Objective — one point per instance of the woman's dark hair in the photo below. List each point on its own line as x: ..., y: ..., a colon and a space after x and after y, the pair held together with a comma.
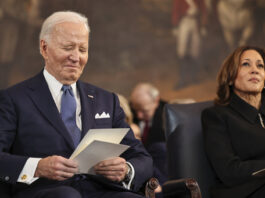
x: 228, y: 73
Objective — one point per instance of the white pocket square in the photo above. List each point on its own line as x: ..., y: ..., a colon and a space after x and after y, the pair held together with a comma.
x: 103, y: 115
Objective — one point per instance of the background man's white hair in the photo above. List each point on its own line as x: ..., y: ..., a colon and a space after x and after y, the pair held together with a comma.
x: 60, y: 17
x: 148, y: 88
x: 152, y: 90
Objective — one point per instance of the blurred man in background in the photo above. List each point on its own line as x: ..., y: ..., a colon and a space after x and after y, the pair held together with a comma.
x: 148, y: 109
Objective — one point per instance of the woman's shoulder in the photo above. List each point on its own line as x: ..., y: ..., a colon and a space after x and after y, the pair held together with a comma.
x: 216, y: 108
x: 219, y: 112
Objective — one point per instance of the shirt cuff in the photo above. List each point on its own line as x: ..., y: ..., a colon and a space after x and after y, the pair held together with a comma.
x: 128, y: 184
x: 27, y: 174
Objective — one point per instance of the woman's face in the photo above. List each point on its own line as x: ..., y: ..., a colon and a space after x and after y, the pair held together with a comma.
x: 251, y: 75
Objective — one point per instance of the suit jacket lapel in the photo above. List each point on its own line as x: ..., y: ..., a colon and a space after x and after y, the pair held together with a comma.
x: 87, y: 97
x: 42, y: 98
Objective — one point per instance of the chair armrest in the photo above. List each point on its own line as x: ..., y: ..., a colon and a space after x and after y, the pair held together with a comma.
x: 150, y: 187
x: 187, y: 186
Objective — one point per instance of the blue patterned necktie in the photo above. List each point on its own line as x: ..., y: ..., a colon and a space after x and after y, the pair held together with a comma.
x: 68, y: 113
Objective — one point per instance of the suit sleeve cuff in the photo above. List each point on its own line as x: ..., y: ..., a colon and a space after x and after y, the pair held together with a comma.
x: 27, y: 174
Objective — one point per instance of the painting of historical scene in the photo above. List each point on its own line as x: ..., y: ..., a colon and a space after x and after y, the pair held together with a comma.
x: 178, y: 45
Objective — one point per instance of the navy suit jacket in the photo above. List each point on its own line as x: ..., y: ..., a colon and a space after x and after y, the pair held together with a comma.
x: 31, y: 126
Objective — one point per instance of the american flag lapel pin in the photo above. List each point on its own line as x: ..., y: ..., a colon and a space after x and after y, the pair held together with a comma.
x: 90, y: 96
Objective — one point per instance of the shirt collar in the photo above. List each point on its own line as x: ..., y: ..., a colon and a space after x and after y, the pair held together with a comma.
x: 54, y: 85
x: 246, y: 110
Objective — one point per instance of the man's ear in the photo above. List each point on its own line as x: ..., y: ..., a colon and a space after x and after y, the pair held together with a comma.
x: 43, y: 48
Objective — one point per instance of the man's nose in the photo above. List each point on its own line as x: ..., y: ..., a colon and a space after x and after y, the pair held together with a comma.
x: 140, y: 115
x: 74, y: 56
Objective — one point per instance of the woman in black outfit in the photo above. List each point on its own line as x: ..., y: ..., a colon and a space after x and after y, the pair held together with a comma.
x: 234, y: 130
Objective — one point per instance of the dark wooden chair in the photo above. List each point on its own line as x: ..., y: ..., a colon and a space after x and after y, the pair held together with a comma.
x: 186, y: 155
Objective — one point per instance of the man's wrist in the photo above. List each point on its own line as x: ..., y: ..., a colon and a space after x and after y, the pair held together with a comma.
x: 127, y: 181
x: 128, y: 174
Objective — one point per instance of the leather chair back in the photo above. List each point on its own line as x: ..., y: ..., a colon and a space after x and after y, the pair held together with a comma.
x: 186, y: 155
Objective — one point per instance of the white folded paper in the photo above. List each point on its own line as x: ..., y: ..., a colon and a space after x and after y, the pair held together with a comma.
x: 96, y: 152
x: 98, y: 145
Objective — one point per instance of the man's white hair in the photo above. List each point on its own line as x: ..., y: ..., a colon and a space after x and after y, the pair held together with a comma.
x: 60, y: 17
x: 148, y: 88
x: 152, y: 90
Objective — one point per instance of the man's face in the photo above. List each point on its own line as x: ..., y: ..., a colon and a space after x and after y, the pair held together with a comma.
x: 144, y: 107
x: 66, y: 52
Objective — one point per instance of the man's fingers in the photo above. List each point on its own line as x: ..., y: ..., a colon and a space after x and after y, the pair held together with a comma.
x: 110, y: 173
x: 69, y: 170
x: 114, y: 169
x: 63, y: 174
x: 56, y: 167
x: 63, y: 164
x: 65, y: 167
x: 70, y: 163
x: 120, y: 167
x: 64, y: 161
x: 111, y: 162
x: 115, y: 176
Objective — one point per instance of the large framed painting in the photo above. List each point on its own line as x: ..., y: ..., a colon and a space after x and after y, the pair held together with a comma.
x: 177, y: 45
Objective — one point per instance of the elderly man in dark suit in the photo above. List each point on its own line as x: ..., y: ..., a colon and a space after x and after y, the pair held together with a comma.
x: 148, y: 109
x: 44, y: 118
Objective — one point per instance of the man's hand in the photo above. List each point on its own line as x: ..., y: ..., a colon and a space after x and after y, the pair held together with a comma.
x: 114, y: 169
x: 56, y: 168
